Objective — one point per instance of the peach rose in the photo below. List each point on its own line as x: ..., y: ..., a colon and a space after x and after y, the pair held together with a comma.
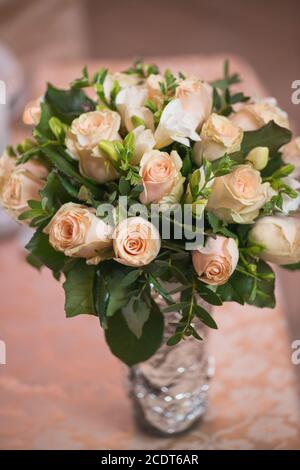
x: 216, y: 261
x: 218, y: 136
x: 32, y: 112
x: 291, y: 154
x: 21, y: 185
x: 77, y: 232
x: 253, y: 116
x: 136, y: 242
x: 162, y: 180
x: 280, y: 237
x: 185, y: 114
x: 83, y: 138
x: 238, y: 196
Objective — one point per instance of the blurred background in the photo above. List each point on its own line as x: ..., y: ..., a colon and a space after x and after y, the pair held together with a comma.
x: 265, y: 34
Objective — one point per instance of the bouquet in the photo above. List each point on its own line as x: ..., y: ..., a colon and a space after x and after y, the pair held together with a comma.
x: 144, y: 182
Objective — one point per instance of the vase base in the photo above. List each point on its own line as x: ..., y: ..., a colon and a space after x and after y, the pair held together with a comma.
x: 169, y: 410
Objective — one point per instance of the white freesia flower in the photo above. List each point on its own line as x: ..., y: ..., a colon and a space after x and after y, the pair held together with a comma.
x: 124, y: 80
x: 130, y: 104
x: 291, y: 155
x: 289, y: 204
x: 143, y: 142
x: 185, y: 114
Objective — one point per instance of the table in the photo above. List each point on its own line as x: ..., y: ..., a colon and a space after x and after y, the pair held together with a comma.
x: 62, y: 389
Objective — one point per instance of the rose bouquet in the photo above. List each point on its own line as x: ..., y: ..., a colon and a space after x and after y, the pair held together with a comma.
x: 136, y: 182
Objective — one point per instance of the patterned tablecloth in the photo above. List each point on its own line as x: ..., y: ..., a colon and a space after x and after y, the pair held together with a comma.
x: 61, y: 387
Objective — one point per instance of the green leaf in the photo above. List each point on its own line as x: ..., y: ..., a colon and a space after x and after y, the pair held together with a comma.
x: 68, y: 104
x: 124, y: 344
x: 205, y: 317
x: 67, y: 168
x: 291, y: 267
x: 79, y: 289
x: 265, y: 287
x: 119, y: 294
x: 176, y: 307
x: 40, y: 248
x: 174, y: 339
x: 136, y: 313
x: 54, y: 192
x: 271, y: 135
x: 208, y: 295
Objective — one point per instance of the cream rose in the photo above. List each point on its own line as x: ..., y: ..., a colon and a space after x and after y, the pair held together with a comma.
x: 162, y: 180
x: 143, y: 142
x: 136, y: 242
x: 238, y: 196
x: 216, y: 261
x: 291, y: 154
x: 280, y: 237
x: 218, y: 136
x: 185, y: 114
x: 255, y: 115
x: 77, y: 232
x: 32, y: 112
x: 130, y: 104
x: 83, y: 138
x: 21, y: 184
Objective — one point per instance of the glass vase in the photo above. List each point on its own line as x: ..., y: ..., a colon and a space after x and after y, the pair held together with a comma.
x: 169, y: 390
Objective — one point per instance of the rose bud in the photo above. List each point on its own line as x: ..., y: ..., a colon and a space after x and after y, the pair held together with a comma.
x: 291, y: 155
x: 77, y: 232
x: 259, y: 157
x: 32, y: 112
x: 216, y: 261
x: 253, y: 116
x: 238, y: 196
x: 21, y: 184
x: 162, y: 180
x: 218, y: 136
x: 83, y: 138
x: 136, y: 242
x: 280, y: 237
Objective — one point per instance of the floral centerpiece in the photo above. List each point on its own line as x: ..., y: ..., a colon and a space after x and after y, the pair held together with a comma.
x: 137, y: 181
